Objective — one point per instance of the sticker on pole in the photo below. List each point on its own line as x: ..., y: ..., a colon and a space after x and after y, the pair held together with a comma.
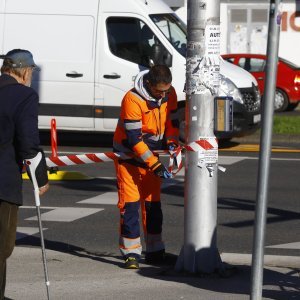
x: 194, y: 70
x: 207, y: 150
x: 202, y: 75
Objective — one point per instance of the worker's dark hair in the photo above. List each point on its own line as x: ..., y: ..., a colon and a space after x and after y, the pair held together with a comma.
x: 159, y: 74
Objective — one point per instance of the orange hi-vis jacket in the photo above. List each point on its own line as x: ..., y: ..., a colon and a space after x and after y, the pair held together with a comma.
x: 145, y: 122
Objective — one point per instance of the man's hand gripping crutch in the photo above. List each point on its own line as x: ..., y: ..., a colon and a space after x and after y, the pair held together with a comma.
x: 36, y: 167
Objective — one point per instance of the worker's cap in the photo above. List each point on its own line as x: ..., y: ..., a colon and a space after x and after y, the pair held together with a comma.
x: 19, y: 58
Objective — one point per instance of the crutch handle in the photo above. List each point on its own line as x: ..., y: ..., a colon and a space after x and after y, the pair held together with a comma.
x: 32, y: 164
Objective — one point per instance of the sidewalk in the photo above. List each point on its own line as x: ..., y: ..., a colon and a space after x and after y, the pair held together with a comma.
x: 88, y: 276
x: 84, y: 276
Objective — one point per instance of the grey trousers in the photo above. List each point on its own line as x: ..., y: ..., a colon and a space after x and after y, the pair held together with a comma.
x: 8, y: 228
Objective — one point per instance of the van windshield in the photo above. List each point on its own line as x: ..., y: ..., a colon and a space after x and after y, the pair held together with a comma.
x: 173, y: 29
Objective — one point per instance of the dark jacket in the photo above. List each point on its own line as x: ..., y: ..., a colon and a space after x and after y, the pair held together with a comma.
x: 19, y: 136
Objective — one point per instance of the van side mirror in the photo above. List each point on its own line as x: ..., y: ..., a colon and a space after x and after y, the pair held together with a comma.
x: 151, y: 62
x: 161, y: 55
x: 168, y: 59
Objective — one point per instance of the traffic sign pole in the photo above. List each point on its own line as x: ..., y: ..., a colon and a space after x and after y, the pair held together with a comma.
x: 265, y: 151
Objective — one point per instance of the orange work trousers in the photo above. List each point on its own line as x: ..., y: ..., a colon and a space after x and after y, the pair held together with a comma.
x: 138, y: 187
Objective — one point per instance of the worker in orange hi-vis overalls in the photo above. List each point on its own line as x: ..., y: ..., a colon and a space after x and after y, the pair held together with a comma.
x: 148, y: 120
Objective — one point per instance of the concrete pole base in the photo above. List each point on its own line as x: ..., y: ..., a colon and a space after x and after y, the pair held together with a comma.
x: 202, y: 261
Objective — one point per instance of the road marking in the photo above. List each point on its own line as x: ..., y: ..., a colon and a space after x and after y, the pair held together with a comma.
x: 269, y: 260
x: 286, y: 159
x: 41, y: 207
x: 26, y: 231
x: 66, y: 214
x: 223, y: 159
x: 109, y: 198
x: 230, y: 160
x: 295, y: 245
x: 107, y: 178
x: 255, y: 148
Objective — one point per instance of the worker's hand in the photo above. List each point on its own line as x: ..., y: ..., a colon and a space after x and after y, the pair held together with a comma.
x: 172, y: 146
x: 44, y: 189
x: 162, y: 172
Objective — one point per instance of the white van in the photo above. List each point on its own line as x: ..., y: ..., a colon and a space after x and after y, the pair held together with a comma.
x: 90, y: 51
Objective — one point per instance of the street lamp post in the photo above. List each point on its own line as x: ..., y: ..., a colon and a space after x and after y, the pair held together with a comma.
x: 199, y: 253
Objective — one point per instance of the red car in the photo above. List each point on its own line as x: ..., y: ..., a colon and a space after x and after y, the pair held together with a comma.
x: 288, y: 79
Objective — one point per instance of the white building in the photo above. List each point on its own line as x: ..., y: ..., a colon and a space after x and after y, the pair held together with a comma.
x: 244, y: 26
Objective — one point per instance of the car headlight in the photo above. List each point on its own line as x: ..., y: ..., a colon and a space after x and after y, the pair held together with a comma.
x: 228, y: 88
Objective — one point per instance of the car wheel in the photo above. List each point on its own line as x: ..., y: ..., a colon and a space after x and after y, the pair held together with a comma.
x: 281, y: 101
x: 292, y: 106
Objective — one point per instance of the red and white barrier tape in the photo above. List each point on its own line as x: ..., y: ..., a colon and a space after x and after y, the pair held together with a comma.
x: 207, y: 147
x: 203, y: 144
x: 175, y: 162
x: 89, y: 158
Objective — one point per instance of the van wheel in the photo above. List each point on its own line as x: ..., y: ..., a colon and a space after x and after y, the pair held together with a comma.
x: 281, y: 101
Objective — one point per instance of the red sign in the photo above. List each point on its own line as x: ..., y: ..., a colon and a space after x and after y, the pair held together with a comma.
x: 288, y: 21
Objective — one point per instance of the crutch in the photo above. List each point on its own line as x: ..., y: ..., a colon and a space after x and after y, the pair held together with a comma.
x: 32, y: 165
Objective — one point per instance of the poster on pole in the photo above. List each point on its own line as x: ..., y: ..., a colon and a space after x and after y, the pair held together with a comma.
x: 203, y: 71
x: 212, y: 54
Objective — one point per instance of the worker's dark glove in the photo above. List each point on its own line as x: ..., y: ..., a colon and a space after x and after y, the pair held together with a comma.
x: 172, y: 146
x: 162, y: 172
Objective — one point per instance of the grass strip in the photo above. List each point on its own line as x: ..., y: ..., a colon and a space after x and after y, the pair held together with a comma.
x: 286, y: 125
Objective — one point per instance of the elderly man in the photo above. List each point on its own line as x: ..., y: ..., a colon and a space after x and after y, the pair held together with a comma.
x: 19, y: 140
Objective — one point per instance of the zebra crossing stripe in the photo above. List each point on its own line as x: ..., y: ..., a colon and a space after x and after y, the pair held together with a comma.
x: 295, y: 245
x: 109, y: 198
x: 66, y: 214
x: 23, y: 232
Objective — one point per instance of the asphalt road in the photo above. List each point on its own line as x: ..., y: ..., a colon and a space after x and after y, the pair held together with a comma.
x: 82, y: 215
x: 292, y: 113
x: 89, y: 139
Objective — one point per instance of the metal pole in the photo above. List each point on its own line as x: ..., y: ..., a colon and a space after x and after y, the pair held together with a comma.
x: 47, y: 282
x: 53, y: 138
x: 199, y: 253
x: 32, y: 165
x: 265, y: 151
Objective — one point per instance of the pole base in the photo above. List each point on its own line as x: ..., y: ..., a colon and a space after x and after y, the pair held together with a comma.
x: 205, y: 262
